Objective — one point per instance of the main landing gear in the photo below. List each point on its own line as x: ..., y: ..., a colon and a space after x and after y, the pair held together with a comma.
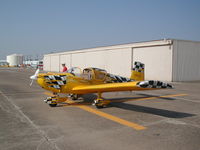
x: 54, y: 100
x: 100, y: 102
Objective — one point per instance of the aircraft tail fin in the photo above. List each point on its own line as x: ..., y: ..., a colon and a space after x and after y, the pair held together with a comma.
x: 137, y: 73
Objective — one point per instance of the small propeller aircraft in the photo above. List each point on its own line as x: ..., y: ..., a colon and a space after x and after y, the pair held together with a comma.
x: 76, y: 83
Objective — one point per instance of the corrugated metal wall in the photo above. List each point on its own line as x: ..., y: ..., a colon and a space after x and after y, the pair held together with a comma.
x: 110, y: 60
x: 157, y: 60
x: 164, y: 60
x: 186, y: 61
x: 47, y: 62
x: 65, y: 59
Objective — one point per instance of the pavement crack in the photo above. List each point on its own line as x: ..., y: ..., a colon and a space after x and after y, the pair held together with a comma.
x: 155, y: 122
x: 176, y: 122
x: 194, y: 101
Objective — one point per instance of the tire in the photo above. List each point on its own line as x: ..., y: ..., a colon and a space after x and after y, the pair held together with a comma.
x: 99, y: 107
x: 75, y: 96
x: 53, y: 105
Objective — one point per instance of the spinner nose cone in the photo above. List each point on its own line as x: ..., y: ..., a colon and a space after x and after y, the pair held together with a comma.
x: 41, y: 82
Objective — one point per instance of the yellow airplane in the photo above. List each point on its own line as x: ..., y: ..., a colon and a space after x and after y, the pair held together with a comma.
x: 76, y: 82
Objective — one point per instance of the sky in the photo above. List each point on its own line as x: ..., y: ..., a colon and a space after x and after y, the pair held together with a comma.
x: 37, y: 27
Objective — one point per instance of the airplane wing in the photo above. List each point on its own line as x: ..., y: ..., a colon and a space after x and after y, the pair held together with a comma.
x: 126, y: 86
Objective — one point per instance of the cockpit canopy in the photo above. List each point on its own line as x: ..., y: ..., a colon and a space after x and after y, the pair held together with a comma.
x: 76, y: 71
x: 89, y: 73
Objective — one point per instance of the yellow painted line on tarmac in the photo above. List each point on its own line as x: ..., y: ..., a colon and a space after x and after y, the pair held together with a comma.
x: 149, y: 98
x: 113, y: 118
x: 175, y: 95
x: 137, y: 99
x: 107, y: 116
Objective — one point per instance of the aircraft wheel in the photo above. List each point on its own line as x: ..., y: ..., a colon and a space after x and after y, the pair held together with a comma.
x: 53, y: 105
x: 99, y: 106
x: 74, y: 97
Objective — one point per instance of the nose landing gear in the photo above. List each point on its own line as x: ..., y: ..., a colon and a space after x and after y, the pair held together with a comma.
x: 52, y: 101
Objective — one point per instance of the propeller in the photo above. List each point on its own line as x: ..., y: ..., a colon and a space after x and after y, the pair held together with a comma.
x: 34, y: 77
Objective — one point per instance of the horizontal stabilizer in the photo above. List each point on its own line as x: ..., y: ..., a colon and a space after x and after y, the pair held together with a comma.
x: 153, y: 84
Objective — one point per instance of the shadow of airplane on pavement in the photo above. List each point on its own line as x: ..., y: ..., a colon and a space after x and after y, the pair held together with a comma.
x: 120, y: 103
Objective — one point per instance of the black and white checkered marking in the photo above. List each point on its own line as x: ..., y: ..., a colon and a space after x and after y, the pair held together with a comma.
x: 118, y: 79
x: 153, y: 84
x: 55, y: 86
x: 56, y: 77
x: 56, y: 81
x: 138, y: 66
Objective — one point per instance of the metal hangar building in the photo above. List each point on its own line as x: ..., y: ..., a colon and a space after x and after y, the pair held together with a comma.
x: 166, y: 60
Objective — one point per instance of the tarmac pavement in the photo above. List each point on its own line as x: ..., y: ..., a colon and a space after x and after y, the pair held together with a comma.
x: 153, y: 120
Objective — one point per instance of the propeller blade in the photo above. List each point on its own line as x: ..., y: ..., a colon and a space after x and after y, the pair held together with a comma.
x: 31, y: 83
x: 37, y: 72
x: 34, y: 77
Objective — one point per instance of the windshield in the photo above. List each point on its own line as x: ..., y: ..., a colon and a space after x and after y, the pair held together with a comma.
x: 76, y: 71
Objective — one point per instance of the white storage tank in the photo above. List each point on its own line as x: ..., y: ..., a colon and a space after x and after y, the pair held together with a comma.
x: 15, y: 59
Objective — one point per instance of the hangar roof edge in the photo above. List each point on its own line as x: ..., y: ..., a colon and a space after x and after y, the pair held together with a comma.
x: 121, y: 46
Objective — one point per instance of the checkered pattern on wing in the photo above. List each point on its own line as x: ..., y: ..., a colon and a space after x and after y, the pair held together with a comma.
x: 138, y: 66
x: 153, y: 84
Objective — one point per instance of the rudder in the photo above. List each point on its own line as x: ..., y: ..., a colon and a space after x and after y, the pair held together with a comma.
x: 137, y: 72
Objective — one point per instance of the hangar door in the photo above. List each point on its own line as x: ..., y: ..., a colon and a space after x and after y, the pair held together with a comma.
x: 113, y: 61
x: 65, y: 59
x: 47, y: 63
x: 157, y: 60
x: 55, y: 66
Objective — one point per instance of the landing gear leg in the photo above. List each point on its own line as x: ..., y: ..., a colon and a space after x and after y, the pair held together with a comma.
x: 54, y: 100
x: 100, y: 102
x: 76, y: 97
